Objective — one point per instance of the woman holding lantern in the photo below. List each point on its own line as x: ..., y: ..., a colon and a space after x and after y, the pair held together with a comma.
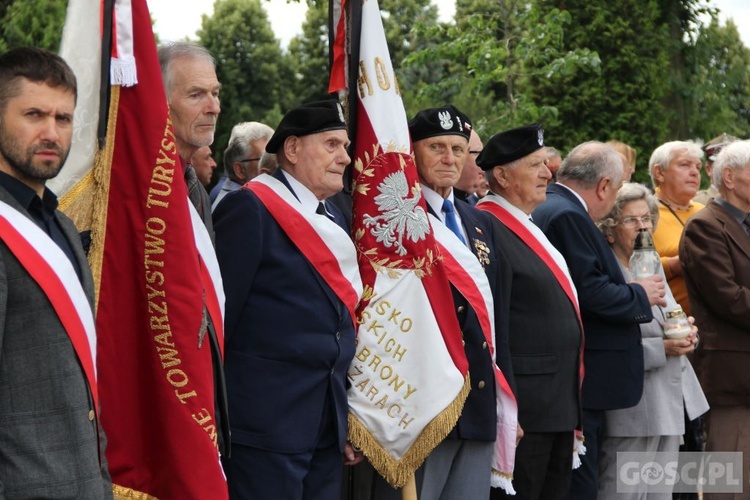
x: 670, y: 387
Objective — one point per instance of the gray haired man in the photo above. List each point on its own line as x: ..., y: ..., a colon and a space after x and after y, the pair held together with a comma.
x: 243, y: 156
x: 192, y: 89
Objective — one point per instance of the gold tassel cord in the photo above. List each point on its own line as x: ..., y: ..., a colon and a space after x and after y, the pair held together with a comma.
x: 123, y: 493
x: 398, y: 472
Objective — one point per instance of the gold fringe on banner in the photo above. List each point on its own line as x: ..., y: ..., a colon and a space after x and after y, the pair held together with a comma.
x: 87, y: 202
x: 78, y: 202
x: 122, y: 493
x: 398, y: 472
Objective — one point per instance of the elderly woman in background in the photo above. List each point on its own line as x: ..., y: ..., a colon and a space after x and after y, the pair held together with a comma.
x: 656, y: 423
x: 675, y: 169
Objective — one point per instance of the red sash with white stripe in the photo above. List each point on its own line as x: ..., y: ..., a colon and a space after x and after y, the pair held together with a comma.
x: 530, y: 240
x: 533, y: 243
x: 51, y: 269
x: 323, y: 243
x: 466, y: 274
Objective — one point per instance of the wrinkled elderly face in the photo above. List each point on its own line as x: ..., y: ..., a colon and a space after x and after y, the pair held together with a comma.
x: 634, y: 216
x: 682, y: 179
x: 525, y: 184
x: 319, y: 161
x: 193, y: 103
x: 36, y: 130
x: 440, y: 161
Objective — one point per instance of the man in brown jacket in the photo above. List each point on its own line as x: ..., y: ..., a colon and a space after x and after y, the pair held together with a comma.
x: 715, y: 254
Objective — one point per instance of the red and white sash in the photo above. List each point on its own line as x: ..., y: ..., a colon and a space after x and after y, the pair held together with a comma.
x: 467, y: 275
x: 323, y: 242
x: 525, y: 235
x: 48, y: 265
x: 210, y: 275
x: 535, y: 245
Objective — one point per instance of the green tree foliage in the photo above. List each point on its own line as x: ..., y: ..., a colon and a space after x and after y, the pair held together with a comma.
x: 32, y: 23
x: 249, y: 65
x: 719, y: 100
x: 308, y: 56
x: 399, y: 19
x: 717, y: 91
x: 308, y: 52
x: 490, y: 56
x: 406, y: 24
x: 642, y: 71
x: 624, y: 99
x: 681, y: 20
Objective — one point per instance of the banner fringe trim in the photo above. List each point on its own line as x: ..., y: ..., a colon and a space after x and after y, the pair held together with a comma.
x: 123, y: 71
x: 69, y: 203
x: 398, y: 472
x: 502, y: 480
x: 123, y: 493
x: 102, y: 178
x: 86, y: 203
x: 579, y: 449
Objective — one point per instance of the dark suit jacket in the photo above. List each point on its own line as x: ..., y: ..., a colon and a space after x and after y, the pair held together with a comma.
x: 478, y: 420
x: 533, y: 311
x: 48, y: 441
x: 715, y: 255
x: 288, y: 338
x: 610, y: 308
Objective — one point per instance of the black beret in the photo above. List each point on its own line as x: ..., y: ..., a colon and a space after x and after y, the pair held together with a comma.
x: 309, y: 118
x: 506, y: 147
x: 439, y: 121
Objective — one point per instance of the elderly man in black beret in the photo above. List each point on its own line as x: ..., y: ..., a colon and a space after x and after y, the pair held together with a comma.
x: 292, y: 283
x: 544, y: 348
x: 460, y: 467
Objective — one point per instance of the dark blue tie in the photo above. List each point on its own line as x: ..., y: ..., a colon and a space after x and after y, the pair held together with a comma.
x: 321, y: 210
x: 450, y: 219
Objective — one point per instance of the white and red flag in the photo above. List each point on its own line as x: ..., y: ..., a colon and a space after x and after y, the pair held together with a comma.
x: 409, y: 376
x: 338, y: 23
x: 154, y: 269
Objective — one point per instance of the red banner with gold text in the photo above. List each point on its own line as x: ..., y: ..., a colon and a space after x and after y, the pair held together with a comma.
x: 156, y: 382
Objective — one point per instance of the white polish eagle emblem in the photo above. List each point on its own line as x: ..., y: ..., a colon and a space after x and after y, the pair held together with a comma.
x: 399, y: 214
x: 445, y: 120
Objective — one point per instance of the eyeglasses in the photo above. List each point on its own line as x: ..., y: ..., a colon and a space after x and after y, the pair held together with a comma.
x: 246, y: 160
x: 474, y: 152
x: 631, y: 222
